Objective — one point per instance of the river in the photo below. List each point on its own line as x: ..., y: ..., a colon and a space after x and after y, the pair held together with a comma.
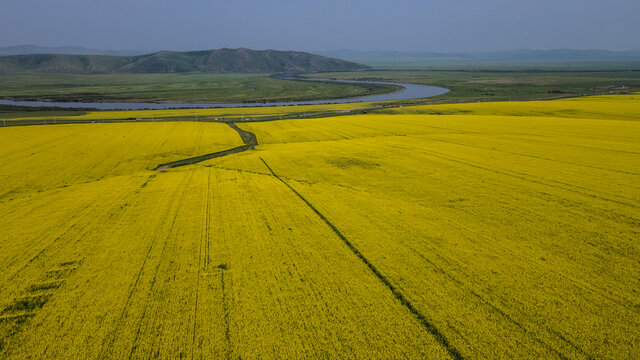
x: 408, y: 92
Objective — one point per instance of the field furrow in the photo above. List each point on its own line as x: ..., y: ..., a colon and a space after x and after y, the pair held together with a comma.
x: 490, y: 231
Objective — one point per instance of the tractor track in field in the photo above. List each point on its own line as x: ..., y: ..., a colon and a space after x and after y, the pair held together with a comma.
x: 423, y: 320
x: 248, y: 138
x: 203, y: 248
x: 250, y: 142
x: 152, y: 286
x: 112, y: 336
x: 577, y: 189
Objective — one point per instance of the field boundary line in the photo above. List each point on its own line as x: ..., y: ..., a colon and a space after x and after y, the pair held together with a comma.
x: 442, y: 340
x: 525, y: 176
x: 499, y: 311
x: 536, y: 157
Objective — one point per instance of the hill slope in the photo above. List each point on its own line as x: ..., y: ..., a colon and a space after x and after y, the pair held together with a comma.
x: 214, y: 61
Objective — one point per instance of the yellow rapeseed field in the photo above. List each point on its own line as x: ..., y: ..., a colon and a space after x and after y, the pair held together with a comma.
x: 490, y: 230
x: 194, y: 114
x: 619, y: 107
x: 45, y: 157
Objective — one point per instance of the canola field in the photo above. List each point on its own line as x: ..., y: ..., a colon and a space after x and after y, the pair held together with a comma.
x: 465, y: 231
x: 212, y: 114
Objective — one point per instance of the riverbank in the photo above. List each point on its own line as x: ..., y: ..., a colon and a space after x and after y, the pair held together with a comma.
x: 405, y: 92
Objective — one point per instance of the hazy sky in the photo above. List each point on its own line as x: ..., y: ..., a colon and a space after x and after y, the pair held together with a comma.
x: 404, y: 25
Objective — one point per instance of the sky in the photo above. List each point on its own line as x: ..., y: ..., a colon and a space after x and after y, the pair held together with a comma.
x: 400, y: 25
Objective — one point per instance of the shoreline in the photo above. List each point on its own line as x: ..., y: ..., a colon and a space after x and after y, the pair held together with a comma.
x: 410, y: 91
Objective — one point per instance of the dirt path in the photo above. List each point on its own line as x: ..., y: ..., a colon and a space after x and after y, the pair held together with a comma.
x: 248, y: 138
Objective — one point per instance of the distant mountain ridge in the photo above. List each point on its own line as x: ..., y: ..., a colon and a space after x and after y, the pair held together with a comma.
x: 214, y: 61
x: 561, y: 54
x: 372, y: 57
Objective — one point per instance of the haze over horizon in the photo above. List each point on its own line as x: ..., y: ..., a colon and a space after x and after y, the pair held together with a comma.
x: 405, y: 25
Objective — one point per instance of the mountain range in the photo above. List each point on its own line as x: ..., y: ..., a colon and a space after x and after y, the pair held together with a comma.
x: 555, y: 55
x: 73, y: 59
x: 214, y: 61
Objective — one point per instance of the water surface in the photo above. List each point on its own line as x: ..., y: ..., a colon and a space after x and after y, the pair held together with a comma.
x: 408, y: 92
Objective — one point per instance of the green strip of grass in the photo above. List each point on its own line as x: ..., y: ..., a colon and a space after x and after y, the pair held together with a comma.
x: 507, y: 85
x: 191, y: 87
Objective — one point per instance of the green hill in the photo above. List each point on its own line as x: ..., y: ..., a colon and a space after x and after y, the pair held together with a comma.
x: 212, y: 61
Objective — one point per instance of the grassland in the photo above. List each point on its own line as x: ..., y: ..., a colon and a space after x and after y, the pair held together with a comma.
x: 492, y: 230
x: 184, y: 87
x: 501, y: 85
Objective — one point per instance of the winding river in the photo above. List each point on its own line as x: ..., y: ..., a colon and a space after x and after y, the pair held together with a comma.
x: 408, y: 92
